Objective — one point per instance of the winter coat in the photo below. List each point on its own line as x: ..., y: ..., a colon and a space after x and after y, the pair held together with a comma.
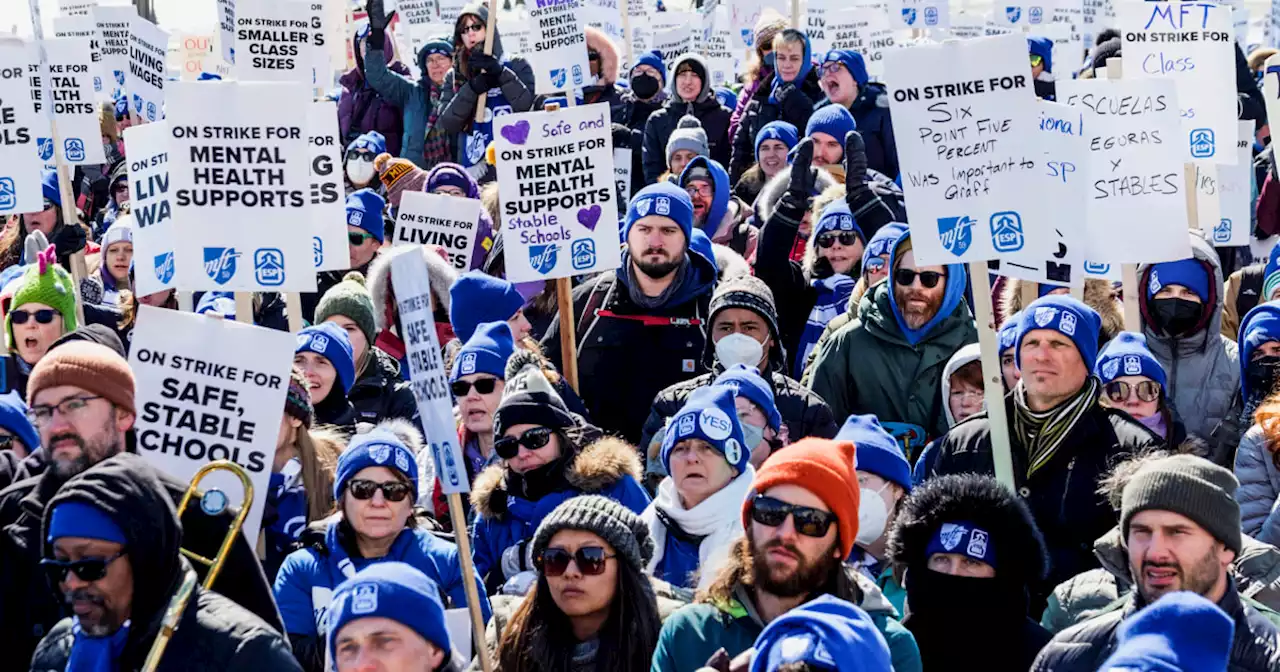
x: 607, y: 467
x: 380, y: 393
x: 1241, y: 294
x: 713, y: 116
x: 1098, y: 295
x: 747, y: 94
x: 748, y: 187
x: 726, y: 220
x: 361, y: 108
x: 761, y: 111
x: 1255, y: 466
x: 871, y: 114
x: 215, y: 632
x: 1083, y: 647
x: 412, y: 97
x: 1062, y: 494
x: 1203, y: 368
x: 691, y: 545
x: 386, y: 315
x: 692, y: 634
x: 635, y: 117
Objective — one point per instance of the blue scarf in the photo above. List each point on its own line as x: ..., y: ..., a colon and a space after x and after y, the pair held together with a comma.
x: 833, y: 298
x: 96, y: 654
x: 339, y: 566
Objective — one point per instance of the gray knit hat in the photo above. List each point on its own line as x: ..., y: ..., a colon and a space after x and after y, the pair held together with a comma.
x: 690, y: 135
x: 1188, y: 485
x: 605, y: 518
x: 749, y: 292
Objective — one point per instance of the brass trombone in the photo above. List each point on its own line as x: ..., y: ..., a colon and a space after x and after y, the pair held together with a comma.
x: 212, y: 502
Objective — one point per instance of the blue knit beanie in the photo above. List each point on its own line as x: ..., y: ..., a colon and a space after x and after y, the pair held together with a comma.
x: 49, y: 187
x: 1009, y: 332
x: 331, y: 341
x: 371, y: 141
x: 852, y: 61
x: 665, y: 199
x: 1189, y: 273
x: 833, y: 120
x: 746, y: 381
x: 654, y: 60
x: 882, y: 241
x: 376, y: 448
x: 1067, y: 316
x: 1180, y: 632
x: 878, y: 452
x: 436, y: 45
x: 1127, y: 355
x: 837, y: 217
x: 477, y: 297
x: 222, y: 303
x: 1260, y: 325
x: 781, y: 131
x: 827, y: 633
x: 1271, y: 274
x: 364, y: 210
x: 13, y: 417
x: 486, y: 351
x: 709, y: 414
x: 965, y: 538
x: 75, y: 518
x: 395, y: 591
x: 1042, y: 47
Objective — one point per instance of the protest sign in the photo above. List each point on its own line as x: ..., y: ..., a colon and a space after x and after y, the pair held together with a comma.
x: 862, y: 29
x: 1192, y: 44
x: 559, y: 46
x: 19, y: 163
x: 622, y: 176
x: 919, y: 14
x: 76, y: 7
x: 1208, y: 210
x: 517, y: 35
x: 558, y: 195
x: 605, y: 15
x: 39, y: 94
x: 113, y: 24
x: 208, y: 390
x: 1136, y: 209
x: 85, y: 27
x: 722, y: 60
x: 147, y: 149
x: 1019, y: 14
x: 318, y: 31
x: 70, y: 88
x: 673, y: 43
x: 328, y: 212
x: 274, y: 41
x: 145, y: 79
x: 427, y: 376
x: 240, y: 176
x: 1235, y: 195
x: 451, y: 222
x: 417, y: 12
x: 450, y: 10
x: 963, y: 115
x: 226, y: 10
x: 965, y: 26
x: 193, y: 50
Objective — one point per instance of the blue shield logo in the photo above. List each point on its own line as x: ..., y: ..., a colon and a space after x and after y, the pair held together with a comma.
x: 930, y: 16
x: 268, y: 267
x: 74, y: 149
x: 1006, y: 232
x: 119, y: 75
x: 1222, y: 232
x: 137, y: 103
x: 956, y: 234
x: 1095, y: 268
x: 543, y: 257
x: 748, y: 37
x: 558, y: 77
x: 8, y: 194
x: 164, y: 267
x: 1202, y: 143
x: 909, y: 16
x: 583, y: 253
x: 1013, y: 14
x: 45, y: 148
x: 220, y: 263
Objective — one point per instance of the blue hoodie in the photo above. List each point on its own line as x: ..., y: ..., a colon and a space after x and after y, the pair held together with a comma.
x: 806, y: 65
x: 1260, y: 325
x: 952, y: 295
x: 720, y: 183
x: 1042, y: 47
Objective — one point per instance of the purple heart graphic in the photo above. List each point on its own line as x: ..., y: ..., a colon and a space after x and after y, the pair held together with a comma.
x: 516, y: 133
x: 588, y: 217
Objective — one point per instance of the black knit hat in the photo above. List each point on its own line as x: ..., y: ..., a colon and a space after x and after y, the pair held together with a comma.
x: 1188, y: 485
x: 528, y: 398
x: 605, y: 518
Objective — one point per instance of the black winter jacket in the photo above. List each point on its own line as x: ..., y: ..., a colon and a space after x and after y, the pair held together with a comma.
x: 760, y: 111
x: 715, y: 121
x: 636, y: 114
x: 871, y: 113
x: 381, y: 394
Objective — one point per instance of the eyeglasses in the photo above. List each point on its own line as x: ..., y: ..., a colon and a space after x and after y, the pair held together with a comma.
x: 906, y: 276
x: 67, y: 408
x: 1118, y: 390
x: 6, y: 442
x: 358, y: 239
x: 509, y: 446
x: 462, y: 388
x: 85, y: 569
x: 43, y: 316
x: 809, y: 521
x: 846, y: 238
x: 392, y: 491
x: 703, y: 190
x: 589, y: 559
x: 472, y: 28
x: 831, y: 67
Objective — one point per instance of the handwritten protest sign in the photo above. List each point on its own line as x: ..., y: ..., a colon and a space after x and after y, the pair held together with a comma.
x: 147, y: 149
x: 113, y: 24
x: 963, y: 115
x: 145, y: 79
x: 559, y: 202
x: 207, y: 390
x: 451, y: 222
x: 274, y: 41
x: 19, y: 163
x: 84, y: 27
x: 919, y: 14
x: 559, y: 46
x: 70, y: 88
x: 239, y: 167
x: 328, y: 214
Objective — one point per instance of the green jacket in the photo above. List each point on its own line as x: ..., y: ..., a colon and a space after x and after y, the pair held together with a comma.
x: 868, y: 366
x: 694, y: 633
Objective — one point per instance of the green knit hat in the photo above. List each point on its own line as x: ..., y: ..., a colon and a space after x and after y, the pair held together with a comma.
x: 349, y: 298
x: 1188, y: 485
x: 48, y: 283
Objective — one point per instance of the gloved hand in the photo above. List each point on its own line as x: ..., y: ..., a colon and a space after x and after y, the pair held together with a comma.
x: 621, y: 136
x: 784, y: 92
x: 795, y: 106
x: 378, y: 21
x: 517, y: 558
x: 68, y: 239
x: 487, y: 67
x: 803, y: 181
x: 855, y: 162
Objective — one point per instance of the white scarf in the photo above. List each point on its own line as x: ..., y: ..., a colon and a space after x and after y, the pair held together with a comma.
x: 717, y: 518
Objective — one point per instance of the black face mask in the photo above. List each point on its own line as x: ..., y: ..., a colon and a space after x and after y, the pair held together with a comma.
x: 1175, y: 317
x: 645, y: 86
x: 1261, y: 375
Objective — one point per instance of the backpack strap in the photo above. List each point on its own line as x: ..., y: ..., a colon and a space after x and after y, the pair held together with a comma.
x: 1251, y: 277
x: 595, y: 299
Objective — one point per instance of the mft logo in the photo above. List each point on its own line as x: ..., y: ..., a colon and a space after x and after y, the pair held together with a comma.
x: 220, y: 263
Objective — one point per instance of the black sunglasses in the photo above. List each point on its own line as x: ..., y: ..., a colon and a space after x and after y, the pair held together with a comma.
x: 358, y: 239
x: 809, y: 521
x: 906, y: 276
x: 462, y: 388
x: 509, y: 446
x: 846, y: 238
x: 472, y: 28
x: 85, y: 569
x: 392, y: 491
x: 43, y: 316
x: 589, y: 559
x: 593, y: 55
x: 1118, y: 390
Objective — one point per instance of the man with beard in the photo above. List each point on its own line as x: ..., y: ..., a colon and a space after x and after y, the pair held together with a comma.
x: 889, y: 361
x: 716, y: 211
x: 643, y: 327
x: 1181, y: 526
x: 801, y: 519
x: 81, y: 397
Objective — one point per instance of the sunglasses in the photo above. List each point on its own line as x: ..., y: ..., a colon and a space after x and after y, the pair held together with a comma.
x: 846, y: 238
x: 509, y: 446
x: 809, y: 521
x: 589, y: 559
x: 358, y: 239
x: 85, y: 569
x: 43, y: 316
x: 906, y: 276
x: 392, y: 491
x: 1118, y: 391
x: 462, y: 388
x: 874, y: 264
x: 1036, y: 60
x: 361, y: 155
x: 593, y: 55
x: 472, y: 28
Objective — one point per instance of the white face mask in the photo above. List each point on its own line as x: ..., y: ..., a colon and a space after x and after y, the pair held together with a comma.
x: 739, y: 349
x: 359, y: 171
x: 872, y: 516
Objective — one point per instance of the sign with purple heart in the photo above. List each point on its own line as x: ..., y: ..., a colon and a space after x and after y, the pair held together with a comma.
x: 559, y: 194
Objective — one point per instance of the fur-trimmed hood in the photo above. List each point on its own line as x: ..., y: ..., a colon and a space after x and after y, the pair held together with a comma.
x: 767, y: 202
x: 1098, y: 295
x: 730, y: 263
x: 440, y: 273
x: 595, y: 468
x: 820, y: 202
x: 600, y: 43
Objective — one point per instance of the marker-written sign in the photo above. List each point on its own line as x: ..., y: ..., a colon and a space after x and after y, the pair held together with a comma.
x: 19, y: 163
x: 559, y: 202
x: 274, y: 41
x: 147, y: 149
x: 328, y: 213
x: 70, y: 88
x: 451, y: 222
x: 559, y: 46
x: 145, y: 79
x: 1235, y: 188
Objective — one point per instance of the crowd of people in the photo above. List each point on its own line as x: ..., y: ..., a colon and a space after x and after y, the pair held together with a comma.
x: 776, y: 455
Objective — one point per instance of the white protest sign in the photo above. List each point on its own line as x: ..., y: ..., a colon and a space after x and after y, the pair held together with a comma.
x: 76, y: 7
x: 71, y: 97
x: 864, y: 30
x: 86, y: 28
x: 240, y: 175
x: 919, y: 14
x: 1208, y: 208
x: 226, y: 10
x: 517, y: 36
x: 1029, y: 13
x: 145, y: 79
x: 417, y: 12
x: 559, y: 202
x: 451, y: 222
x: 274, y: 41
x: 607, y: 16
x: 965, y: 26
x: 147, y: 149
x: 722, y: 59
x: 193, y: 50
x: 427, y: 376
x: 963, y: 117
x: 450, y: 10
x: 1235, y: 190
x: 20, y: 165
x: 328, y: 211
x: 1136, y: 209
x: 622, y: 176
x: 39, y: 94
x: 318, y: 33
x: 113, y: 24
x: 559, y: 46
x: 208, y: 390
x: 673, y: 43
x: 1192, y: 44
